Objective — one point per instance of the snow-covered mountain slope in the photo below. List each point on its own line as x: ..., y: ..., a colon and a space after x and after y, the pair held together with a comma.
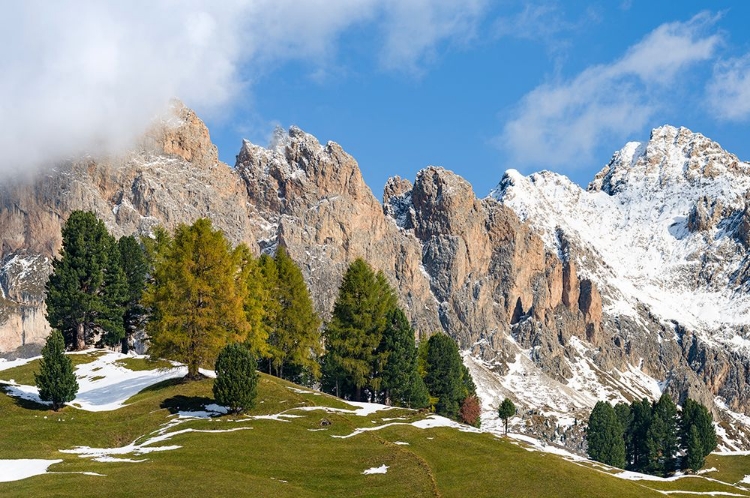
x: 663, y: 231
x: 664, y: 219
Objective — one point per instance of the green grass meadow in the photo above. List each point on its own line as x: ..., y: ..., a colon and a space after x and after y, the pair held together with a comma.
x: 295, y: 455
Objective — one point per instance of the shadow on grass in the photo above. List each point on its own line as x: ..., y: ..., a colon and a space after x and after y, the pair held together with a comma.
x: 27, y: 404
x: 186, y: 403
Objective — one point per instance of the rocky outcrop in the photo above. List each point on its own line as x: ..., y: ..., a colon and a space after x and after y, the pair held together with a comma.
x: 538, y: 304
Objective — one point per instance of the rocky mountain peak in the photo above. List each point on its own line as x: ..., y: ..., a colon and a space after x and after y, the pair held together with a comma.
x: 672, y: 157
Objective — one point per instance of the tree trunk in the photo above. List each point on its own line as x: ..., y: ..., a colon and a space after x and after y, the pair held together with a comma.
x: 80, y: 338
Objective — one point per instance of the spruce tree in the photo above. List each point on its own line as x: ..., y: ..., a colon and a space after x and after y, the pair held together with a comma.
x: 135, y: 268
x: 506, y: 410
x: 84, y: 292
x: 236, y: 380
x: 195, y: 299
x: 55, y: 380
x: 694, y: 455
x: 625, y: 417
x: 604, y: 436
x: 445, y: 375
x: 402, y: 385
x: 351, y: 363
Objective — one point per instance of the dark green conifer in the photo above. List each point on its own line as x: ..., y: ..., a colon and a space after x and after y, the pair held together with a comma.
x: 236, y: 380
x: 445, y: 375
x: 506, y: 410
x: 402, y: 385
x: 84, y: 291
x: 135, y: 268
x: 604, y: 436
x: 55, y: 380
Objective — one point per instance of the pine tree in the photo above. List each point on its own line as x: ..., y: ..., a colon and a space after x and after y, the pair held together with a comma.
x: 624, y: 415
x: 56, y: 381
x: 84, y: 292
x: 294, y: 336
x: 401, y: 384
x: 236, y: 378
x: 351, y: 363
x: 195, y: 300
x: 135, y: 268
x: 694, y: 454
x: 604, y: 436
x: 445, y: 375
x: 506, y: 410
x: 642, y: 416
x: 695, y: 417
x: 661, y: 438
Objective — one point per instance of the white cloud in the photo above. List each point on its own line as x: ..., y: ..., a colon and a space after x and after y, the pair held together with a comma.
x: 85, y: 75
x: 559, y: 124
x: 729, y: 90
x: 414, y: 28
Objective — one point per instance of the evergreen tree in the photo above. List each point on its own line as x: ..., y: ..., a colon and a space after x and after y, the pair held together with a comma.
x: 56, y: 381
x: 625, y: 417
x: 641, y: 422
x: 401, y: 384
x: 84, y: 292
x: 661, y: 438
x: 115, y: 299
x: 506, y: 410
x: 694, y: 454
x: 135, y: 268
x: 294, y: 336
x: 196, y: 301
x: 445, y: 375
x: 695, y: 417
x: 351, y: 363
x: 236, y: 380
x: 604, y: 436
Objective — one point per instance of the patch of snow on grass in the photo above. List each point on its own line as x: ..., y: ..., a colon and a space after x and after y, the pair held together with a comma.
x: 15, y: 470
x: 376, y: 470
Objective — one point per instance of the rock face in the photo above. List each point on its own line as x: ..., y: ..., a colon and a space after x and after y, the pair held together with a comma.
x: 526, y: 280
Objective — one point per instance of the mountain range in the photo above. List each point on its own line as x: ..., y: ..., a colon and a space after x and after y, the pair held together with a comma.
x: 558, y: 296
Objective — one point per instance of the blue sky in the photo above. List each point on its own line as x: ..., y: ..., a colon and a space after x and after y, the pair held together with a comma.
x: 476, y: 86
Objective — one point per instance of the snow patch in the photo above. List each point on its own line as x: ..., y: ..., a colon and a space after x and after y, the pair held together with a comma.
x: 376, y: 470
x: 15, y: 470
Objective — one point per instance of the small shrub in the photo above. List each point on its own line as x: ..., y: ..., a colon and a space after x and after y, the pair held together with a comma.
x: 236, y: 378
x: 470, y: 411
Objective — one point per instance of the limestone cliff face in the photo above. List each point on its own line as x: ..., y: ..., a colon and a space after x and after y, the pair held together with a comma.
x: 536, y: 306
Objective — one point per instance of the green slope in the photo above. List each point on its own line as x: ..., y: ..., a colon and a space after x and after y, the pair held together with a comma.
x: 293, y: 455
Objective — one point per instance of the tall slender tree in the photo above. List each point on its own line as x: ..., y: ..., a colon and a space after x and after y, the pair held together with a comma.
x: 84, y: 294
x: 197, y: 305
x: 135, y: 268
x: 445, y: 375
x: 604, y: 436
x: 402, y: 384
x: 352, y: 337
x: 55, y: 380
x: 661, y: 437
x: 294, y: 332
x: 697, y: 434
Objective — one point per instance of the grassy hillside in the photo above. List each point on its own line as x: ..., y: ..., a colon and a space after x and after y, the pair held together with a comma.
x: 281, y: 449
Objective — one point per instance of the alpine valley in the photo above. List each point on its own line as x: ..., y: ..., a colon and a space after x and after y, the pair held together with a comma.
x: 557, y: 295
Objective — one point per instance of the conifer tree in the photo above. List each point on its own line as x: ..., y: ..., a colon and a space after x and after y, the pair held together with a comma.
x: 697, y: 434
x: 661, y: 438
x: 195, y: 299
x: 135, y: 268
x: 84, y: 292
x: 255, y: 294
x: 506, y: 410
x: 236, y: 380
x: 641, y: 422
x: 360, y: 315
x: 294, y: 335
x: 401, y: 384
x: 604, y: 436
x: 445, y: 375
x: 56, y: 381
